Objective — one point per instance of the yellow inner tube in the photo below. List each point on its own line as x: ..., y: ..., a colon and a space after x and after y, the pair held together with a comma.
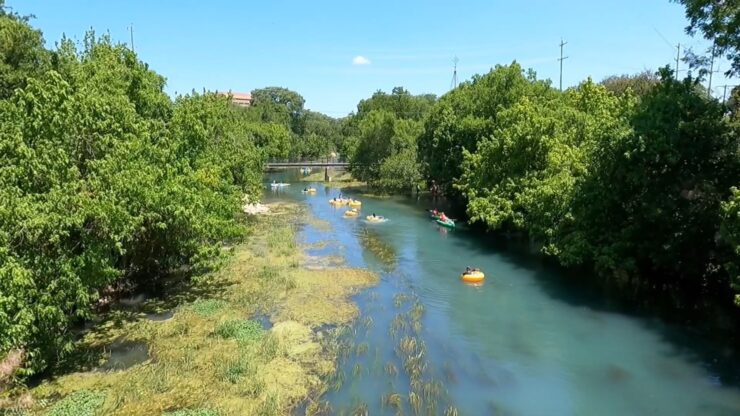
x: 351, y: 213
x: 311, y: 190
x: 473, y: 277
x: 374, y: 219
x: 337, y: 202
x: 355, y: 204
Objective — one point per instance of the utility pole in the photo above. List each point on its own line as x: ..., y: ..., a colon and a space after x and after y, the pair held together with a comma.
x: 454, y: 74
x: 678, y: 57
x: 724, y: 93
x: 131, y: 32
x: 561, y: 62
x: 711, y: 72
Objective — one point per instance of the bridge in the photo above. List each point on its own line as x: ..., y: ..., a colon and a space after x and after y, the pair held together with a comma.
x: 312, y: 164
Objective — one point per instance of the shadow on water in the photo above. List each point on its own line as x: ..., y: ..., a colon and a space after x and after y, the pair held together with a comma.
x: 704, y: 333
x: 123, y: 354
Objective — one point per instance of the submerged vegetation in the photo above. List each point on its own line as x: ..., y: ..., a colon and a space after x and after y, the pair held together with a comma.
x: 241, y: 367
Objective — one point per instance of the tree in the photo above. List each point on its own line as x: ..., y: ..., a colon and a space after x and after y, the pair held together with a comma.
x: 22, y: 53
x: 719, y: 22
x: 385, y: 150
x: 730, y: 231
x: 639, y: 84
x: 280, y: 105
x: 399, y: 102
x: 469, y: 114
x: 525, y: 174
x: 650, y: 204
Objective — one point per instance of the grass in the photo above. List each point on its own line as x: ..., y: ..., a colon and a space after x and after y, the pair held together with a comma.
x: 209, y: 359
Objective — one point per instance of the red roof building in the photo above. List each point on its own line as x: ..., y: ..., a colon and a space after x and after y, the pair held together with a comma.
x: 239, y: 98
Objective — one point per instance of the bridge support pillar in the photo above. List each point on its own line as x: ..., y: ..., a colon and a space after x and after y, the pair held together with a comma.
x: 326, y: 174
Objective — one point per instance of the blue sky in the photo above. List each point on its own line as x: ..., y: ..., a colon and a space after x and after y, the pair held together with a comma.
x: 310, y: 46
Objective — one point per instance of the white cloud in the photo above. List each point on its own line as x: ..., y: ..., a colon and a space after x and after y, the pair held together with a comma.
x: 360, y: 60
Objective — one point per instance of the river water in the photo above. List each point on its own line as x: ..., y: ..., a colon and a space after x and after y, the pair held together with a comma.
x: 526, y: 342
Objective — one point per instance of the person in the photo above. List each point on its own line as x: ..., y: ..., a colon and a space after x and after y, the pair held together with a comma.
x: 435, y: 212
x: 305, y: 189
x: 443, y: 217
x: 468, y: 270
x: 418, y: 189
x: 373, y: 215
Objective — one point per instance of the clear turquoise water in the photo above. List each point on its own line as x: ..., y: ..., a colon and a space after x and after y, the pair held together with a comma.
x: 524, y: 343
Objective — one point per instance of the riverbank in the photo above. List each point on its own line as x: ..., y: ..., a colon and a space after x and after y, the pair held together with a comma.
x: 252, y: 338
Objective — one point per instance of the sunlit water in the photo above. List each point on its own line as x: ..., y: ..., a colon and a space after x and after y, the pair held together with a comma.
x: 523, y: 343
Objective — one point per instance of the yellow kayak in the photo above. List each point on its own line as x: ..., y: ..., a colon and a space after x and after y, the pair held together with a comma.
x: 473, y: 277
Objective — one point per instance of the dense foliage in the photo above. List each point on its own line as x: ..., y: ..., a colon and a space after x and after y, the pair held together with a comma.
x: 383, y: 138
x: 467, y: 115
x: 635, y: 185
x: 106, y: 183
x: 310, y: 135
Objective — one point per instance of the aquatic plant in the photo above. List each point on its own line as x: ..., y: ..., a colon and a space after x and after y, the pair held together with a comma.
x: 450, y: 411
x: 391, y: 369
x: 362, y: 348
x: 415, y: 403
x: 242, y: 330
x: 400, y: 298
x: 361, y: 410
x: 357, y: 370
x: 383, y: 251
x: 417, y: 311
x: 80, y: 403
x: 368, y: 322
x: 393, y: 400
x: 193, y: 412
x: 207, y: 307
x: 320, y: 408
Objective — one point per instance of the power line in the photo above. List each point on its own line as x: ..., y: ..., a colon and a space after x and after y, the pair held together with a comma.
x: 561, y: 62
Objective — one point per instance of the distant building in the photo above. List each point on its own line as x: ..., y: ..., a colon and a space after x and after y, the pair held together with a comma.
x: 241, y: 99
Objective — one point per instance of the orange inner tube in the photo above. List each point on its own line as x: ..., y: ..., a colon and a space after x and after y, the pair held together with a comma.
x: 474, y: 277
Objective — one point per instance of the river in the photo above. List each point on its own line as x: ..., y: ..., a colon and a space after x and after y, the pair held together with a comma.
x: 526, y: 342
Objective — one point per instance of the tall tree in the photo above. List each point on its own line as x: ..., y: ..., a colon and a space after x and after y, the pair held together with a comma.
x: 719, y: 22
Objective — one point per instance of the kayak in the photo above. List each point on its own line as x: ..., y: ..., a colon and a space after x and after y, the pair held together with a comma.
x: 473, y: 277
x: 449, y: 223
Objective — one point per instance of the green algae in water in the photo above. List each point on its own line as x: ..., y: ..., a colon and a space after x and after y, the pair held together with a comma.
x: 382, y: 250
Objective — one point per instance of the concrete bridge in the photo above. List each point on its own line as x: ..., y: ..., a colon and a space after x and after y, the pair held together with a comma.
x: 311, y: 164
